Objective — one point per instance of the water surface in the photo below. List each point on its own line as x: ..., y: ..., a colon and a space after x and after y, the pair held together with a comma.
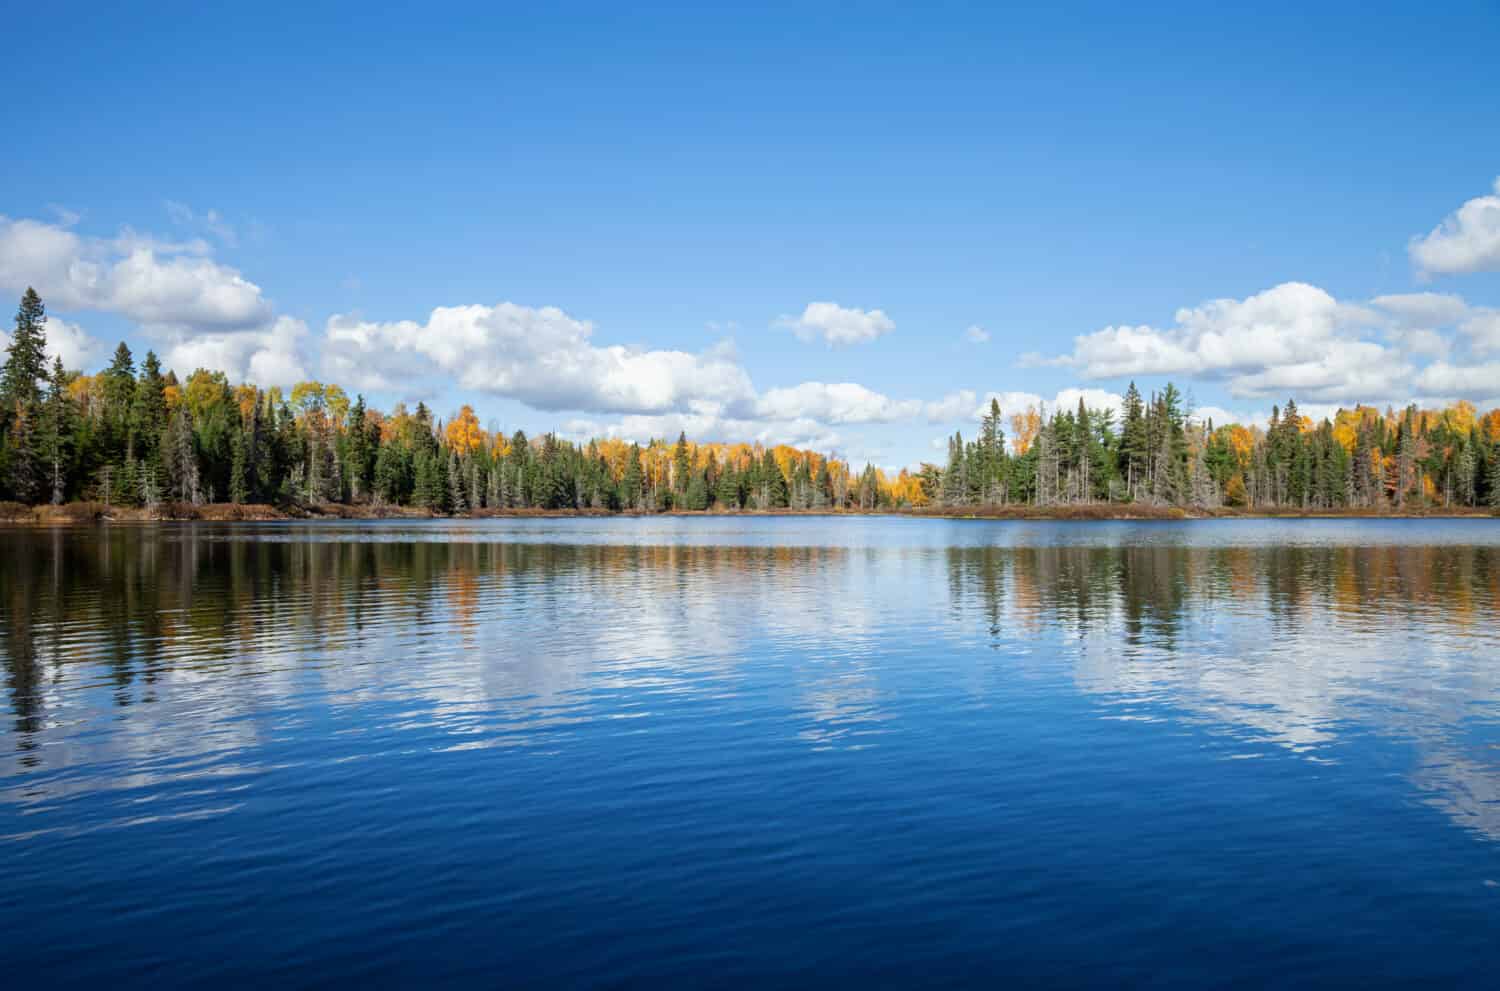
x: 785, y: 750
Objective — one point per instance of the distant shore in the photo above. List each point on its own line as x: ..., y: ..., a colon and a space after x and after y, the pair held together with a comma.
x: 92, y: 513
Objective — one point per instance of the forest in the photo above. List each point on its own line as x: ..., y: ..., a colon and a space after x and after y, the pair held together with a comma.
x: 131, y: 435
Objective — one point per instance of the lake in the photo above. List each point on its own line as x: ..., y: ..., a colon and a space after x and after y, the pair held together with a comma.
x: 786, y: 751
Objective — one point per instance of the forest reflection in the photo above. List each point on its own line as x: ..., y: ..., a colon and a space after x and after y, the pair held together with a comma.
x: 198, y: 639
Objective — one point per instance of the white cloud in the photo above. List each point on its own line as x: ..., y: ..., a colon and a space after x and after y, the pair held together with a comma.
x: 976, y: 334
x: 1443, y: 379
x: 267, y: 356
x: 1467, y: 240
x: 838, y: 325
x: 836, y: 403
x: 1217, y: 415
x: 803, y: 433
x: 1293, y: 336
x: 1415, y: 320
x: 71, y: 343
x: 1423, y: 310
x: 540, y: 356
x: 1349, y: 370
x: 965, y: 409
x: 1483, y: 330
x: 200, y: 313
x: 65, y: 340
x: 152, y: 282
x: 954, y: 406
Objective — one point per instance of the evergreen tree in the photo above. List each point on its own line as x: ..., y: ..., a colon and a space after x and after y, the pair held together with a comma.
x: 57, y: 432
x: 697, y: 492
x: 1494, y: 476
x: 727, y: 492
x: 681, y: 465
x: 456, y: 498
x: 119, y: 392
x: 23, y: 457
x: 26, y: 357
x: 239, y: 469
x: 632, y: 481
x: 1135, y: 448
x: 180, y: 456
x: 148, y: 408
x: 776, y: 493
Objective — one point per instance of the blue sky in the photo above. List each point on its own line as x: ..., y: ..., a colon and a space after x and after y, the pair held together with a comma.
x: 660, y: 194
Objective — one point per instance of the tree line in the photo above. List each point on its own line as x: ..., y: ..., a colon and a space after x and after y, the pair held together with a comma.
x: 133, y: 435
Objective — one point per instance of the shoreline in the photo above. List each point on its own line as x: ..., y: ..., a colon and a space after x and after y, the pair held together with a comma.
x: 93, y: 514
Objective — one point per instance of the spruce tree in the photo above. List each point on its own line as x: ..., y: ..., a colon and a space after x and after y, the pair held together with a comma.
x: 58, y: 423
x: 681, y: 465
x: 119, y: 394
x: 777, y: 495
x: 1135, y: 449
x: 23, y: 461
x: 239, y: 469
x: 727, y: 492
x: 26, y: 357
x: 632, y: 480
x: 148, y: 409
x: 456, y: 497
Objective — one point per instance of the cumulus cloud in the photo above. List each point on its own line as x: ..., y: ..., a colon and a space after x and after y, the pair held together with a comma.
x: 838, y: 325
x: 836, y: 403
x: 152, y: 282
x: 957, y: 405
x: 1483, y: 330
x: 1468, y: 240
x: 804, y: 433
x: 966, y: 406
x: 976, y: 334
x: 1293, y: 336
x: 540, y: 356
x: 266, y: 356
x: 65, y: 340
x: 1442, y: 379
x: 200, y: 312
x: 1423, y: 310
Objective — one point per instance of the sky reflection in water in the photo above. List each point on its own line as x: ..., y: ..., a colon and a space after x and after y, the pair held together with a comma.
x: 814, y: 747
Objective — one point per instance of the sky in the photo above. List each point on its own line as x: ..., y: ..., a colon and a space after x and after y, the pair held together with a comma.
x: 843, y: 227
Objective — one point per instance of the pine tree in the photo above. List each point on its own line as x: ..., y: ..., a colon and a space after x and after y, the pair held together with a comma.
x: 631, y: 480
x: 681, y: 465
x: 456, y: 501
x: 1135, y: 450
x: 148, y: 409
x: 23, y: 467
x: 1494, y: 476
x: 180, y: 455
x: 697, y: 492
x: 119, y: 392
x: 820, y: 493
x: 26, y: 357
x: 239, y: 469
x: 727, y: 493
x: 58, y: 423
x: 777, y: 496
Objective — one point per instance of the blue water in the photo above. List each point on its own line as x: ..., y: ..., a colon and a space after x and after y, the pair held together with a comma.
x: 751, y: 752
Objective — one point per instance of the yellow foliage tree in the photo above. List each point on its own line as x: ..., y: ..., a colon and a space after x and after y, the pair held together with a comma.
x: 464, y: 433
x: 1024, y: 428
